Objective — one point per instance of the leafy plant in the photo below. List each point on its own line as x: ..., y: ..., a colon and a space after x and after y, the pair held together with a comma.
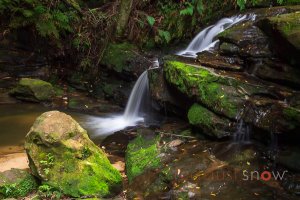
x: 46, y: 191
x: 150, y: 20
x: 50, y: 18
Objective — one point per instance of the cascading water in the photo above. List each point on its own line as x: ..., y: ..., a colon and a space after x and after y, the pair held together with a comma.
x: 242, y: 134
x: 137, y: 97
x: 134, y: 113
x: 205, y: 39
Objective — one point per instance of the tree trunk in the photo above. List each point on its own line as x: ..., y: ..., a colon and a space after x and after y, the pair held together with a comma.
x: 124, y: 13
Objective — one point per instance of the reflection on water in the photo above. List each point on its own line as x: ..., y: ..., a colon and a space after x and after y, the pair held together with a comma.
x: 16, y: 120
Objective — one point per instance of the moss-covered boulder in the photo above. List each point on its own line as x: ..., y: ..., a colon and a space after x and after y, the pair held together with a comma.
x: 16, y: 183
x: 34, y: 90
x: 222, y: 94
x: 62, y: 156
x: 142, y: 154
x: 284, y: 31
x: 209, y: 122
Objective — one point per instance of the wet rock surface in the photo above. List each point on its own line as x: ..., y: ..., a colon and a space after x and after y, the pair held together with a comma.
x: 244, y: 77
x: 203, y: 169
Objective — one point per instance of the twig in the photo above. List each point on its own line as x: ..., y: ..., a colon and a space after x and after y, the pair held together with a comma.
x: 171, y: 134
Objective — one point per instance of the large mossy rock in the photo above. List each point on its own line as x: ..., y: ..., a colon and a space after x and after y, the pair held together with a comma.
x: 34, y: 90
x: 62, y: 155
x: 284, y: 30
x: 222, y: 94
x: 16, y: 183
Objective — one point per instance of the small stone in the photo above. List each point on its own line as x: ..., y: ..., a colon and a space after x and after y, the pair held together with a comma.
x: 175, y: 143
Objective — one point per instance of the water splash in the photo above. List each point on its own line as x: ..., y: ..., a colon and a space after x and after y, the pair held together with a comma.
x: 135, y: 111
x: 204, y: 41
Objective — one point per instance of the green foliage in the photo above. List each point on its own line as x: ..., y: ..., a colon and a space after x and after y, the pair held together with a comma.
x: 20, y: 186
x: 164, y: 36
x: 48, y: 192
x: 150, y: 20
x: 243, y: 3
x: 50, y: 18
x: 191, y: 7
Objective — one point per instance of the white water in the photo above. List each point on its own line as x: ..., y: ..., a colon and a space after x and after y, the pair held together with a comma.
x: 133, y: 113
x: 205, y: 39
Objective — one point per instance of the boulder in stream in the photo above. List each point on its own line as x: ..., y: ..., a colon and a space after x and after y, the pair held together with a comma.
x: 33, y: 90
x: 62, y: 156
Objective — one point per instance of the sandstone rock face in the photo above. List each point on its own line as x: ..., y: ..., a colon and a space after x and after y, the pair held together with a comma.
x: 62, y: 155
x: 34, y: 90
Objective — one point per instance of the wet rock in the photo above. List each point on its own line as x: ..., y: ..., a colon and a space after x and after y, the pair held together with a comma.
x: 292, y: 184
x: 34, y: 90
x: 217, y: 61
x: 160, y: 92
x: 220, y: 93
x: 16, y: 183
x: 210, y: 123
x: 271, y: 115
x: 284, y: 31
x: 229, y: 49
x: 142, y: 154
x: 278, y: 72
x: 63, y: 157
x: 252, y: 42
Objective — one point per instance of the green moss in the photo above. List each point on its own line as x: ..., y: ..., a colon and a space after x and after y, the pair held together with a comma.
x: 289, y: 26
x: 141, y: 154
x: 16, y: 183
x: 117, y: 56
x: 199, y: 115
x: 209, y: 122
x: 70, y: 162
x: 207, y: 87
x: 33, y: 89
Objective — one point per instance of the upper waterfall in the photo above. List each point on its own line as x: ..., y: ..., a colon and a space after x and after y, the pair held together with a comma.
x: 205, y: 40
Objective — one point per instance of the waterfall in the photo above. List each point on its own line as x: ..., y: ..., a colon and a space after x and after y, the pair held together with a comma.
x: 242, y: 133
x: 134, y: 113
x: 138, y: 94
x: 205, y: 39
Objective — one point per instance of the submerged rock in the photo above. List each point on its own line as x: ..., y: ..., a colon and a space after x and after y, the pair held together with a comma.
x: 62, y: 155
x: 16, y: 183
x: 34, y: 90
x: 142, y: 154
